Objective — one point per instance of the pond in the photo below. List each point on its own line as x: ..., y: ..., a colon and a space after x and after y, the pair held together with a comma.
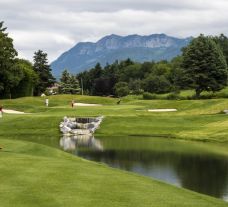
x: 180, y: 163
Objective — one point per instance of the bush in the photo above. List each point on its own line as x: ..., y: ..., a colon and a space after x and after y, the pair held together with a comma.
x: 149, y: 96
x: 207, y: 96
x: 173, y: 96
x: 222, y: 95
x: 121, y: 89
x: 202, y: 96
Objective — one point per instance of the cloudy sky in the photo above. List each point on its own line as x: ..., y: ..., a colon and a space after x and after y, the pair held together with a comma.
x: 56, y: 25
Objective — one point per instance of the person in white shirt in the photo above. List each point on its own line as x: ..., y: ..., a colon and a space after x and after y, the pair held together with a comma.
x: 46, y: 102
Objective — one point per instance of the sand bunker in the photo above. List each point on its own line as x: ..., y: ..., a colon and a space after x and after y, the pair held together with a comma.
x: 8, y: 111
x: 162, y: 110
x: 85, y: 104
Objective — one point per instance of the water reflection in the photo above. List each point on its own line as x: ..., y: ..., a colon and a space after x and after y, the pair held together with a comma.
x: 204, y: 174
x: 71, y: 143
x: 201, y: 172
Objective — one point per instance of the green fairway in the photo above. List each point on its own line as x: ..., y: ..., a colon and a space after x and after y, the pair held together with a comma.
x: 34, y: 172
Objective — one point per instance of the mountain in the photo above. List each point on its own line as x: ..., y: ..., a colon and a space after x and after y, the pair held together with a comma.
x: 85, y: 55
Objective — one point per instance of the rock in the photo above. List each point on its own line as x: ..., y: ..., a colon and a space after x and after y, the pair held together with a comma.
x: 79, y: 126
x: 225, y: 111
x: 80, y: 132
x: 72, y: 125
x: 90, y: 126
x: 65, y: 130
x: 72, y: 119
x: 65, y: 119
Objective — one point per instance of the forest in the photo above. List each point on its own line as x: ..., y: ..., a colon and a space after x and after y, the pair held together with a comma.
x: 20, y: 77
x: 202, y: 67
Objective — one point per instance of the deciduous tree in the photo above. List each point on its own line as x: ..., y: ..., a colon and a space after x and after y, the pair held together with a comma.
x: 205, y: 65
x: 9, y: 74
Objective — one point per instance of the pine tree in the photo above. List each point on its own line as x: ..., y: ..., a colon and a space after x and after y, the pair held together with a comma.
x: 69, y: 83
x: 65, y: 78
x: 222, y: 41
x: 42, y: 68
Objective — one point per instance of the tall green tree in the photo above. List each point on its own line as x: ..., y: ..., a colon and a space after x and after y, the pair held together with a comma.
x: 121, y: 89
x: 10, y: 75
x: 177, y: 76
x: 28, y: 81
x: 222, y: 41
x: 69, y: 83
x: 205, y: 65
x: 65, y: 78
x: 135, y: 86
x: 156, y: 84
x: 43, y: 69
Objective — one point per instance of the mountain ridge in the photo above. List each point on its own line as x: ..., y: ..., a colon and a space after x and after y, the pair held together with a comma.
x: 84, y: 55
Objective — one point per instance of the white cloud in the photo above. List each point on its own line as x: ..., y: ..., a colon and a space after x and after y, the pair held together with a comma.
x: 56, y: 26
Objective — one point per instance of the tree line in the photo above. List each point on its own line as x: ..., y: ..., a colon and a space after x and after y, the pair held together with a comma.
x: 202, y: 66
x: 19, y: 77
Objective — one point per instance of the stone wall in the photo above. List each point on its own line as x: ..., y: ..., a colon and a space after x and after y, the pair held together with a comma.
x: 80, y: 126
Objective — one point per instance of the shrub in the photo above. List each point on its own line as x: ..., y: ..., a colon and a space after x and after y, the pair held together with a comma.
x: 121, y: 89
x: 222, y: 95
x: 207, y: 96
x: 173, y: 96
x: 149, y: 96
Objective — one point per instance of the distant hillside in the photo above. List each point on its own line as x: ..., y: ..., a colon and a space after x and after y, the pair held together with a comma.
x: 85, y: 55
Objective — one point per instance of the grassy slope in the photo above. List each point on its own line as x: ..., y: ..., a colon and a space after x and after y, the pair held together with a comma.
x: 195, y: 120
x: 37, y: 175
x: 34, y: 175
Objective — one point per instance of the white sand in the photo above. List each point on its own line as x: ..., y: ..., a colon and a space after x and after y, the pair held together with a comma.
x: 8, y: 111
x: 84, y: 104
x: 162, y: 110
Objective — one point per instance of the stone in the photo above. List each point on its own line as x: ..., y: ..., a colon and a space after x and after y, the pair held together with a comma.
x: 65, y: 119
x: 79, y: 126
x: 80, y: 132
x: 65, y: 130
x: 225, y: 111
x: 72, y: 125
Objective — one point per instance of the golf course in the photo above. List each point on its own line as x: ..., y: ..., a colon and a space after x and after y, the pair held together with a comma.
x: 35, y: 171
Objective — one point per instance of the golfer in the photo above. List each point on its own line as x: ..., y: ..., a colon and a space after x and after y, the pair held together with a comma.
x: 46, y: 102
x: 72, y: 103
x: 1, y: 111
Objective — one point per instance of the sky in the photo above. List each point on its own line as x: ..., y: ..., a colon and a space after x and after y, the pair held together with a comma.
x: 55, y: 26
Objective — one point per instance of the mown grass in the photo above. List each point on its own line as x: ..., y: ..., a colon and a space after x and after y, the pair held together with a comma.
x: 33, y: 174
